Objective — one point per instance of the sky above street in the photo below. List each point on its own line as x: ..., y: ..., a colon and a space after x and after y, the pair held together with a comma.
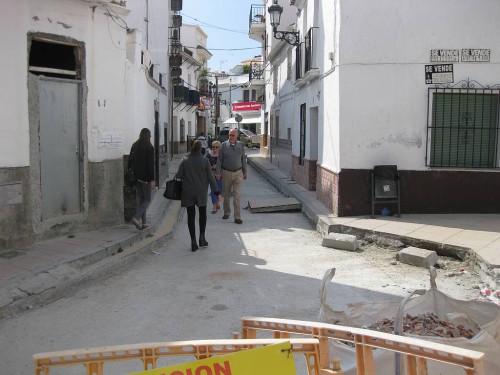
x: 226, y: 24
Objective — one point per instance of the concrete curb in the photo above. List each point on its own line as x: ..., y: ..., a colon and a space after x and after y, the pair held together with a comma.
x: 45, y: 285
x: 323, y: 220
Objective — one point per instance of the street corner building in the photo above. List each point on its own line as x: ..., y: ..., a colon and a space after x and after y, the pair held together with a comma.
x: 80, y: 78
x: 353, y: 85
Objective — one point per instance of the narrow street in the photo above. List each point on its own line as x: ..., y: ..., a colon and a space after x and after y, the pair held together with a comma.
x: 271, y: 265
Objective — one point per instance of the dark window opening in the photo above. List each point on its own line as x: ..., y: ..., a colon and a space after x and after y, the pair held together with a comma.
x: 54, y: 59
x: 277, y: 129
x: 298, y: 63
x: 266, y: 133
x: 302, y: 152
x: 309, y: 53
x: 182, y: 131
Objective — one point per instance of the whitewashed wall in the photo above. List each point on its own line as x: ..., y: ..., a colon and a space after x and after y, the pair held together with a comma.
x: 371, y: 92
x: 106, y: 81
x: 119, y: 99
x: 105, y: 62
x: 14, y: 125
x: 24, y: 16
x: 140, y: 94
x: 384, y: 47
x: 312, y: 94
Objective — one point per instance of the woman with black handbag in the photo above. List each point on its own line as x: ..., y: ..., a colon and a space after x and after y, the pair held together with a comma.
x: 141, y: 161
x: 196, y: 174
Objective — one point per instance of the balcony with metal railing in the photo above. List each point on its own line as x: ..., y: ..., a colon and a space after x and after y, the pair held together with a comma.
x: 256, y: 74
x: 306, y: 59
x: 257, y: 22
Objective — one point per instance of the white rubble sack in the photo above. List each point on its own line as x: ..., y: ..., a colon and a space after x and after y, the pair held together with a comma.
x: 483, y: 314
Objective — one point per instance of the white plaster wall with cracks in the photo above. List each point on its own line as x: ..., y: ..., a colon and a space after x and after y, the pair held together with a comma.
x: 374, y: 102
x: 107, y: 86
x: 382, y: 89
x: 14, y: 124
x: 115, y: 104
x: 56, y: 40
x: 148, y: 28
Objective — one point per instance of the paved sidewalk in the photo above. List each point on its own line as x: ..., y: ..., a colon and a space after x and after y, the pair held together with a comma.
x: 41, y: 273
x: 466, y: 236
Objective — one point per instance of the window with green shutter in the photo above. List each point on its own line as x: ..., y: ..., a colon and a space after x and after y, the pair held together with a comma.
x: 463, y: 128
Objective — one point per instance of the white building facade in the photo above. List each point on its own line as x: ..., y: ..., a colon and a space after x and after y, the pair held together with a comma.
x: 190, y: 117
x: 79, y: 83
x: 241, y: 92
x: 404, y: 83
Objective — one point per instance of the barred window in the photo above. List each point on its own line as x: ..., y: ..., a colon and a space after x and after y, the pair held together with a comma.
x: 463, y: 128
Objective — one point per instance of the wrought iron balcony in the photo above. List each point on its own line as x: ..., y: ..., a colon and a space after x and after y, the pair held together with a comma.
x: 256, y: 71
x: 257, y: 14
x: 310, y: 49
x: 306, y: 68
x: 257, y: 22
x: 176, y: 5
x: 194, y: 98
x: 181, y: 93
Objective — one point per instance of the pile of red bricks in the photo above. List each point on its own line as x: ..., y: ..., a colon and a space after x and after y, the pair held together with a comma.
x: 427, y: 324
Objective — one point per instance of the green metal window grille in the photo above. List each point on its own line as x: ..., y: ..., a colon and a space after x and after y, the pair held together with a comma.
x: 463, y: 128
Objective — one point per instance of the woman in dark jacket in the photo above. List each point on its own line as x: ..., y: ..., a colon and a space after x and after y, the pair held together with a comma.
x: 141, y: 160
x: 196, y: 175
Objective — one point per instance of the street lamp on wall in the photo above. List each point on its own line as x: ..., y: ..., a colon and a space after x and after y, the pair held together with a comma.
x: 290, y: 37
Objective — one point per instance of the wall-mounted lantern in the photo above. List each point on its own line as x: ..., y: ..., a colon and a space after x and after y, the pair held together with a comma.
x: 291, y: 37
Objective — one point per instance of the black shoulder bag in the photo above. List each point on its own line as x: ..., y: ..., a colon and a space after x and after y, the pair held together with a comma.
x: 173, y: 190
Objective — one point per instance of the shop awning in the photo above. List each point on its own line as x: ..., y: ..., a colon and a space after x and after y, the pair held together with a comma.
x: 246, y: 120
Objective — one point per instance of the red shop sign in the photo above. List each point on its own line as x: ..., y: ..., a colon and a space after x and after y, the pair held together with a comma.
x: 246, y: 106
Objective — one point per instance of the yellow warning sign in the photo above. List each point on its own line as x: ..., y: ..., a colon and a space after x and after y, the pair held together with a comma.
x: 266, y: 360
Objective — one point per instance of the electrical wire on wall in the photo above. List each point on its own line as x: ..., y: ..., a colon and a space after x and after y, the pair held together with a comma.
x: 109, y: 32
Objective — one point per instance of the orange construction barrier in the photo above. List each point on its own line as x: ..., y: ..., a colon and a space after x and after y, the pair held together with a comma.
x: 415, y: 351
x: 315, y: 348
x: 95, y: 359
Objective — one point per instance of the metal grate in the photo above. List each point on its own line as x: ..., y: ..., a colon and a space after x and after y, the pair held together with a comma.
x: 256, y: 71
x: 463, y: 127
